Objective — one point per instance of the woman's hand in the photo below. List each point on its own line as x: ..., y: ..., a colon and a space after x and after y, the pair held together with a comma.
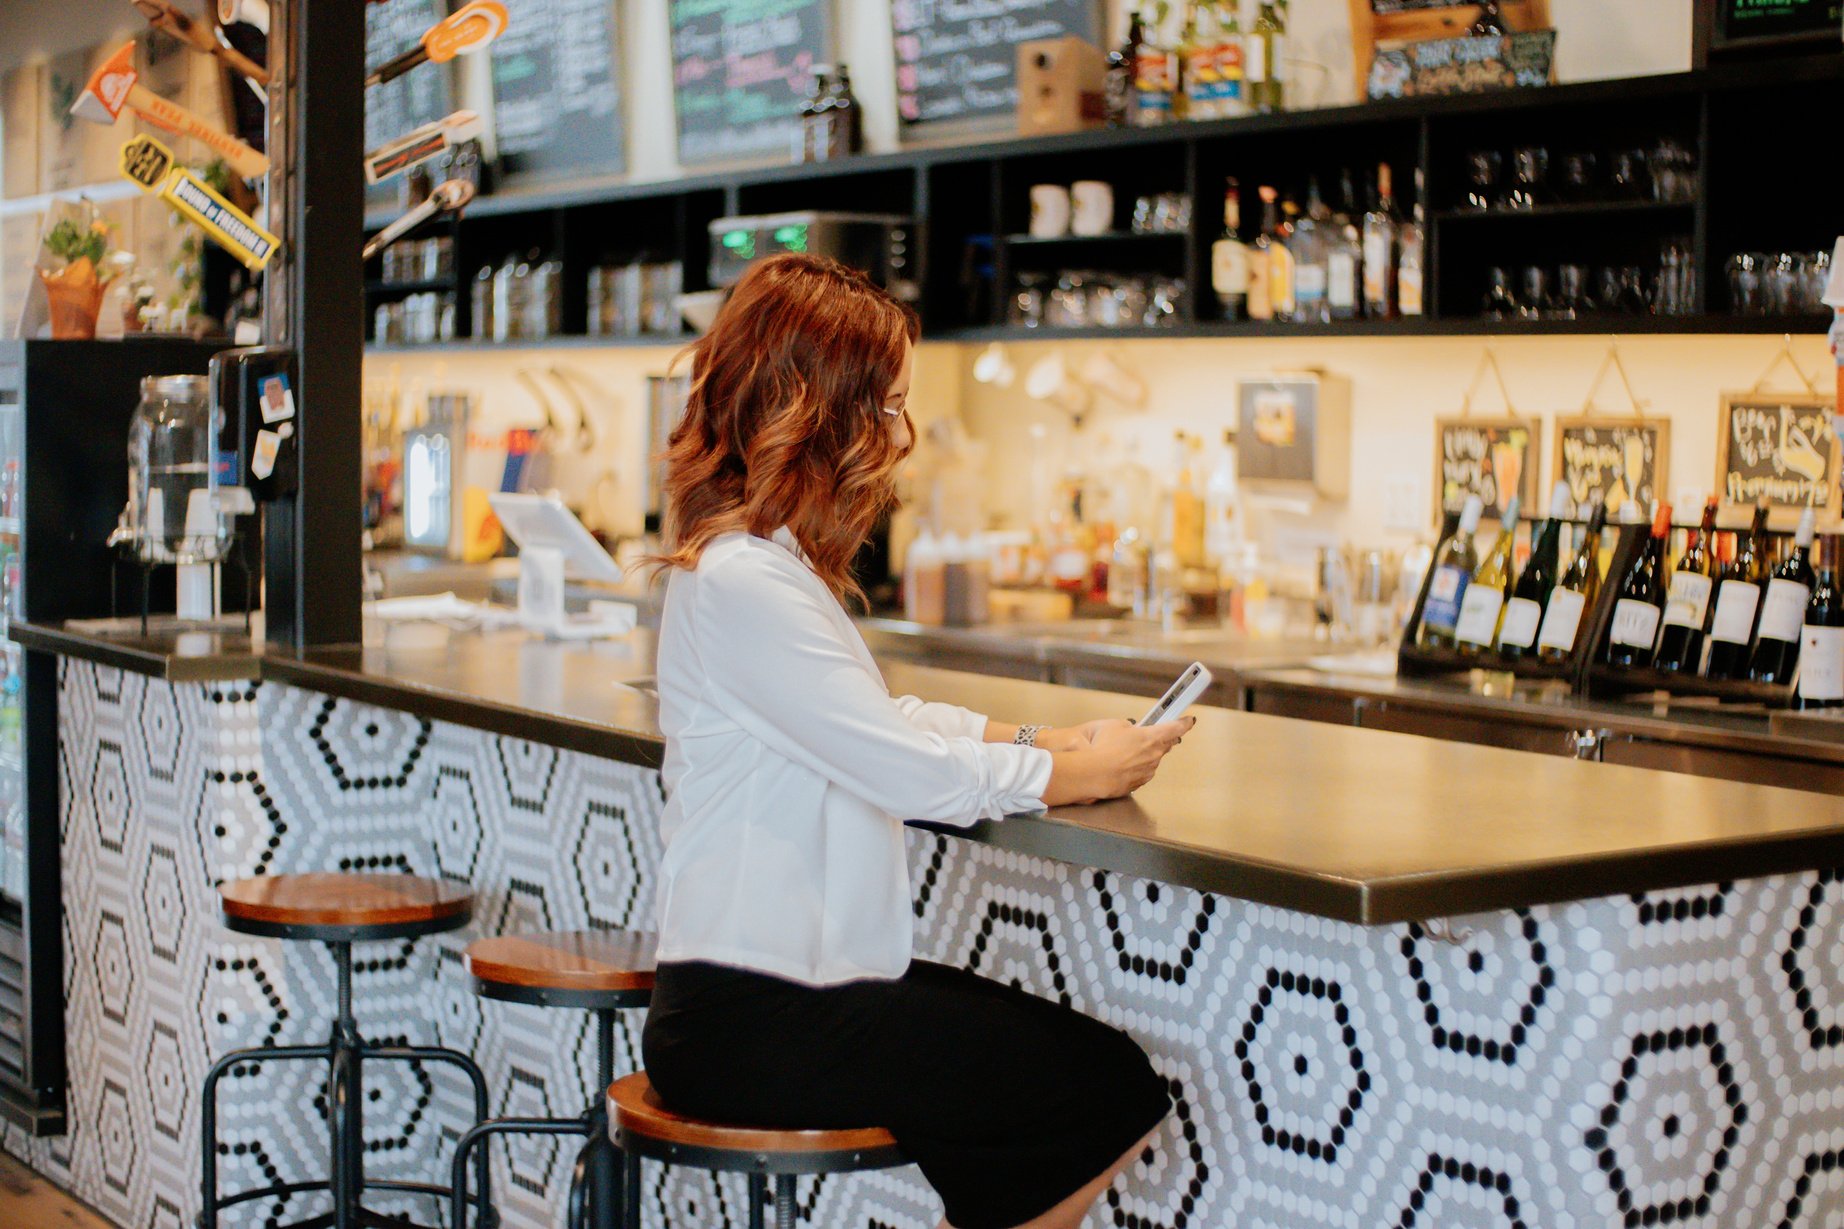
x: 1119, y: 758
x: 1075, y: 737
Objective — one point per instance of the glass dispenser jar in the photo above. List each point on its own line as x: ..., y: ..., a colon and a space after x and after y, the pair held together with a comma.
x: 173, y: 511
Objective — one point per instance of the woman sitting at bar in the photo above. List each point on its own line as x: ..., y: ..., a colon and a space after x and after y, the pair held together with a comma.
x: 787, y: 995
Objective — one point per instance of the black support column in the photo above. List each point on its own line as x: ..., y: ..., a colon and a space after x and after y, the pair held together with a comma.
x: 312, y: 564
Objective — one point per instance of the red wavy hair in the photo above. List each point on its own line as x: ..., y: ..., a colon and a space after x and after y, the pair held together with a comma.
x: 784, y: 424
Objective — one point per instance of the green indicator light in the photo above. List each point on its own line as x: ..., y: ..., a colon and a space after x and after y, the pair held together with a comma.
x: 792, y: 238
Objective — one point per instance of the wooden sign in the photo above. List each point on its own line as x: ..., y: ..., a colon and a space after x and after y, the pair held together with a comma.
x: 1781, y: 447
x: 1493, y: 458
x: 1620, y: 458
x: 959, y: 62
x: 557, y: 92
x: 740, y: 70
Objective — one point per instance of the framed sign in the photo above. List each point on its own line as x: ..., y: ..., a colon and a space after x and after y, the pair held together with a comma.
x: 1752, y: 22
x: 557, y: 92
x: 1781, y: 447
x: 1622, y: 459
x: 1493, y: 458
x: 959, y: 62
x: 740, y: 70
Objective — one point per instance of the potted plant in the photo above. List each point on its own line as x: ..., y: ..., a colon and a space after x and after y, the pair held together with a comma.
x: 76, y: 264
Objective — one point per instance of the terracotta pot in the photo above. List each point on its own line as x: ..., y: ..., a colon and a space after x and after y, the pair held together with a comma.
x: 75, y: 304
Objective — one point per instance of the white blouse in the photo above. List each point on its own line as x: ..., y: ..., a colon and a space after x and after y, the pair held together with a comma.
x: 789, y: 771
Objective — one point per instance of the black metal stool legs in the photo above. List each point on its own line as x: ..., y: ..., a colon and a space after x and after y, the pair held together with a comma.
x: 345, y: 1054
x: 784, y: 1200
x: 596, y: 1184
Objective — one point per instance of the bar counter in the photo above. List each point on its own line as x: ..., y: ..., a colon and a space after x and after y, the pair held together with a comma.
x: 1393, y: 980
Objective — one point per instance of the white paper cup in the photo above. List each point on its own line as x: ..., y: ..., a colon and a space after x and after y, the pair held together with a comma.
x: 1049, y: 210
x: 1092, y: 207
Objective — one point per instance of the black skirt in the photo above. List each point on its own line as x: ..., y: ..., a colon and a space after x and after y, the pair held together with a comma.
x: 1008, y: 1103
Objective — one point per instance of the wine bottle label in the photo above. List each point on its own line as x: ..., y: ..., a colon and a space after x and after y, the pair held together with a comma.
x: 1478, y: 621
x: 1735, y: 604
x: 1821, y: 663
x: 1376, y: 265
x: 1445, y: 593
x: 1688, y: 601
x: 1408, y: 291
x: 1229, y: 267
x: 1522, y: 617
x: 1784, y: 611
x: 1341, y: 279
x: 1635, y: 623
x: 1562, y: 620
x: 1309, y: 283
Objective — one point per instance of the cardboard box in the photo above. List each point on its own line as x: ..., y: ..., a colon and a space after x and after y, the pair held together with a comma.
x: 1060, y: 86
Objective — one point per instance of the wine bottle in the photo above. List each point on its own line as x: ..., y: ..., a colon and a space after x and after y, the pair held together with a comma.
x: 1229, y: 257
x: 1574, y: 594
x: 1687, y: 604
x: 1634, y: 634
x: 1517, y: 635
x: 1738, y: 600
x: 1783, y: 610
x: 1821, y: 648
x: 1454, y: 564
x: 1483, y: 608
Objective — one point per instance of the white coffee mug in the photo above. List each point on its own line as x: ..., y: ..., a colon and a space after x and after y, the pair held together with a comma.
x: 1049, y: 210
x: 1093, y: 207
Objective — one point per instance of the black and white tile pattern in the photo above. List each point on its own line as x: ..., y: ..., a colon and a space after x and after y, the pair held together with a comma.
x: 1667, y: 1058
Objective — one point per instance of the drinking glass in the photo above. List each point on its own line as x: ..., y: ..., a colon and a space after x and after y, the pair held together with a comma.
x: 1162, y: 304
x: 1143, y: 207
x: 1673, y: 169
x: 1529, y: 176
x: 1483, y: 168
x: 1745, y: 283
x: 1580, y: 175
x: 1068, y: 302
x: 1500, y: 303
x: 1571, y: 291
x: 1633, y: 299
x: 1027, y: 307
x: 1818, y: 272
x: 1607, y: 290
x: 1780, y: 283
x: 1534, y: 303
x: 1627, y: 175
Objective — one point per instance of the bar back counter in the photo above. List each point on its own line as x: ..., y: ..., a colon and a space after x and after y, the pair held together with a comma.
x: 1393, y: 981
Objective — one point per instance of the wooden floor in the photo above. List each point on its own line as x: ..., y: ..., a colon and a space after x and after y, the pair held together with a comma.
x: 27, y: 1201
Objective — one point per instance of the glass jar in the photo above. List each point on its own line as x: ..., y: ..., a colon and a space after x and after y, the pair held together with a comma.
x: 172, y: 513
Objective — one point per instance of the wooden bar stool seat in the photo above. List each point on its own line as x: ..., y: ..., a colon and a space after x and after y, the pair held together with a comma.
x: 340, y: 910
x: 643, y: 1126
x: 570, y: 968
x: 344, y: 908
x: 603, y: 971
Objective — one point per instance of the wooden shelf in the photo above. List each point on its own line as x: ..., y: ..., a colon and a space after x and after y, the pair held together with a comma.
x: 468, y: 345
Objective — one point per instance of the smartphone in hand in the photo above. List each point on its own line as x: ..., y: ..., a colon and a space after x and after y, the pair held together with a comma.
x: 1179, y: 696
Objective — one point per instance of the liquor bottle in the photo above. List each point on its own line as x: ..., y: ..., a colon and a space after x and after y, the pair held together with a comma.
x: 1155, y: 78
x: 1634, y: 634
x: 1574, y: 594
x: 1687, y: 603
x: 1281, y: 263
x: 1123, y: 97
x: 1821, y: 649
x: 811, y: 145
x: 1261, y: 296
x: 1454, y: 564
x: 1232, y: 60
x: 1308, y: 247
x: 847, y: 116
x: 1265, y: 62
x: 1489, y: 22
x: 1517, y: 636
x: 1483, y: 608
x: 1783, y: 610
x: 1738, y: 600
x: 1229, y: 257
x: 1380, y: 227
x: 1344, y: 257
x: 1198, y: 50
x: 1408, y: 266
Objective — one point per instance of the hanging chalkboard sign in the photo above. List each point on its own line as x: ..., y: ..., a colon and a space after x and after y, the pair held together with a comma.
x: 423, y: 94
x: 1493, y: 458
x: 740, y: 71
x: 959, y: 61
x: 1620, y: 459
x: 1779, y: 447
x: 557, y: 92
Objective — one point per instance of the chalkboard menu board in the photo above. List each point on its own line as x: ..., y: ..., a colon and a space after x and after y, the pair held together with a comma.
x: 958, y: 60
x: 1778, y: 447
x: 1621, y: 459
x: 740, y: 70
x: 1493, y: 458
x: 1742, y: 21
x: 423, y: 94
x: 557, y: 92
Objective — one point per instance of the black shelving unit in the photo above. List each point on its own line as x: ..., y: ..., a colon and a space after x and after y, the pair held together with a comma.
x: 972, y: 202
